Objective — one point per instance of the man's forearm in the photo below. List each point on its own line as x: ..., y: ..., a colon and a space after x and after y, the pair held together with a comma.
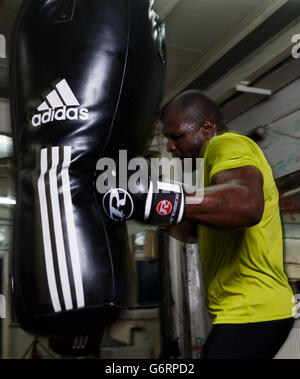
x: 227, y: 206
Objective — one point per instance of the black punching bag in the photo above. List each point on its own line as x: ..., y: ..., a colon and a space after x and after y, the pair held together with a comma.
x: 86, y: 79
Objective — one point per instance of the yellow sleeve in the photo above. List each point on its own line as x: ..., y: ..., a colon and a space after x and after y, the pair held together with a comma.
x: 230, y: 151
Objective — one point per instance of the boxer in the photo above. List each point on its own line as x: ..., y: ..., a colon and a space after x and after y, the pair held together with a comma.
x: 237, y: 224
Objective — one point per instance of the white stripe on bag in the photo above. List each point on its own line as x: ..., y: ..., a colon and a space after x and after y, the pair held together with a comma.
x: 58, y: 230
x: 46, y: 234
x: 60, y: 248
x: 71, y: 227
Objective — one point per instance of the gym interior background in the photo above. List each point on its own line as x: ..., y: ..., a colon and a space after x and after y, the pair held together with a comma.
x: 244, y: 55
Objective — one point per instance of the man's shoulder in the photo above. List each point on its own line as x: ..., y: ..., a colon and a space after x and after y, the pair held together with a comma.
x: 232, y: 136
x: 230, y: 141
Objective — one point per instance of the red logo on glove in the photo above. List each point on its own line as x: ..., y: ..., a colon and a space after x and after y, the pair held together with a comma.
x: 164, y: 207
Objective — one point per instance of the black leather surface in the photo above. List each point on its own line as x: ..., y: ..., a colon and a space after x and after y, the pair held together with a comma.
x: 108, y: 54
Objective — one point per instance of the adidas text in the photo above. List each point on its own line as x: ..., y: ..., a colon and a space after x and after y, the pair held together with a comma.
x: 60, y: 115
x: 60, y: 104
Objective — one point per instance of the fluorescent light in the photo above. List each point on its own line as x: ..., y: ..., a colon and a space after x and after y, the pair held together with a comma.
x: 259, y: 91
x: 7, y: 201
x: 6, y: 146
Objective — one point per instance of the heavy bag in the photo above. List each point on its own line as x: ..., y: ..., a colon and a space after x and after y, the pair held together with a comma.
x: 86, y: 80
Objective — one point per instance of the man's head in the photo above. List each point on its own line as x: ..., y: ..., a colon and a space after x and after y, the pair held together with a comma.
x: 189, y: 122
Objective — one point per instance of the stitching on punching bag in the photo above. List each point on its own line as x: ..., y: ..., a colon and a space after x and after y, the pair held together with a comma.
x: 122, y: 82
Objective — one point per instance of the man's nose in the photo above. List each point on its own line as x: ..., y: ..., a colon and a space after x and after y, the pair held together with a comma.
x: 170, y: 146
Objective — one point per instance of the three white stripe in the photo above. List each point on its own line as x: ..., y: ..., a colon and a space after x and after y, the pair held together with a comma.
x: 58, y: 230
x: 56, y: 101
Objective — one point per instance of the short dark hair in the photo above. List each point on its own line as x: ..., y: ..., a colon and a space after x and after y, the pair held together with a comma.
x: 198, y: 102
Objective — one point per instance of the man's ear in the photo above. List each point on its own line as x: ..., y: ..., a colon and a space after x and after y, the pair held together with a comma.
x: 208, y: 129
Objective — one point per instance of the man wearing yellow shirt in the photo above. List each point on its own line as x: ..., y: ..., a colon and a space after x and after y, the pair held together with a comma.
x: 238, y: 228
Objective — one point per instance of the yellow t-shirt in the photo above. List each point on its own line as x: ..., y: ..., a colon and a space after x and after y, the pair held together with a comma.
x: 243, y: 269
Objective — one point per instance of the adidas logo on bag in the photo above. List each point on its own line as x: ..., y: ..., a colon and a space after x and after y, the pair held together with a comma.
x: 60, y: 104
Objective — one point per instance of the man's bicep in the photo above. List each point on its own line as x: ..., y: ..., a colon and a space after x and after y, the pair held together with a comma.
x: 248, y: 176
x: 246, y: 185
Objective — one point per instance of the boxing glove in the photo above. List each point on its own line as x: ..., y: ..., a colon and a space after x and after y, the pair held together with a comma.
x: 147, y: 201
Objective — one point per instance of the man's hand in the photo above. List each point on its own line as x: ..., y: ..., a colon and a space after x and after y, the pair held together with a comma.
x: 185, y: 232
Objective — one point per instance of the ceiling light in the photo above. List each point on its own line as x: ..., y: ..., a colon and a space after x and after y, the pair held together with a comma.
x: 258, y: 91
x: 7, y: 201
